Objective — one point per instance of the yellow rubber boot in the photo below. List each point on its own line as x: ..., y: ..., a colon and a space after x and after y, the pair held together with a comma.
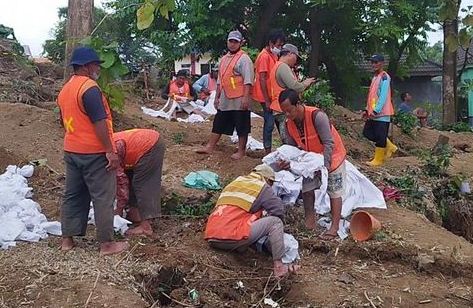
x: 391, y: 148
x: 378, y: 159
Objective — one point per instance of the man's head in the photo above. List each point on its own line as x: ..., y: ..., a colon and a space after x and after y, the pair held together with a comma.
x: 289, y: 54
x: 377, y: 63
x: 86, y: 62
x: 406, y: 97
x: 276, y: 39
x: 234, y: 41
x: 214, y: 71
x: 266, y: 172
x: 291, y: 105
x: 181, y: 77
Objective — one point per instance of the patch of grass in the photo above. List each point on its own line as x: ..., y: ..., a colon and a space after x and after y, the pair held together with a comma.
x: 178, y: 138
x: 436, y: 163
x: 199, y: 210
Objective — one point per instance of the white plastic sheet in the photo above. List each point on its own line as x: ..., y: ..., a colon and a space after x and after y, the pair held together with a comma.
x: 21, y: 217
x: 252, y: 144
x: 291, y: 249
x: 120, y: 224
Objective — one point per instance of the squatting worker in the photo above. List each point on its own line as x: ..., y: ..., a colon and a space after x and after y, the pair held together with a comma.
x: 89, y: 154
x: 141, y: 155
x: 237, y: 221
x: 232, y: 101
x: 181, y: 92
x: 282, y: 77
x: 206, y: 84
x: 261, y: 93
x: 309, y: 128
x: 378, y: 112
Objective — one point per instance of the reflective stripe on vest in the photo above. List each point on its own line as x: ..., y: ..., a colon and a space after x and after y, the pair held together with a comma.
x: 276, y: 89
x: 311, y: 141
x: 137, y: 143
x: 232, y: 84
x: 175, y: 90
x: 80, y: 136
x: 388, y: 108
x: 242, y: 192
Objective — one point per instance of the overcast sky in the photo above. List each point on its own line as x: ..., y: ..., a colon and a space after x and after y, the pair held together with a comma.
x: 33, y: 20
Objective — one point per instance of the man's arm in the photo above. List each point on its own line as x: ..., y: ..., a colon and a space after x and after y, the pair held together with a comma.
x: 263, y: 79
x: 324, y: 130
x: 383, y: 95
x: 123, y: 183
x: 165, y: 92
x: 270, y: 202
x: 246, y: 69
x: 200, y: 84
x: 285, y: 79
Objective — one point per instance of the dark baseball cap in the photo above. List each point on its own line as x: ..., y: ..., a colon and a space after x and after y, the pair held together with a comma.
x: 377, y: 58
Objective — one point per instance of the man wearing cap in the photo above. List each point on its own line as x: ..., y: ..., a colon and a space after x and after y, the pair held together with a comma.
x: 282, y: 77
x: 180, y: 91
x: 261, y: 94
x: 237, y: 221
x: 206, y: 84
x: 378, y: 112
x: 232, y: 100
x: 89, y: 154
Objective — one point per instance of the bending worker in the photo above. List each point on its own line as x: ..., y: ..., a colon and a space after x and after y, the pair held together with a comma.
x: 141, y: 154
x: 310, y: 129
x: 378, y: 112
x: 237, y: 220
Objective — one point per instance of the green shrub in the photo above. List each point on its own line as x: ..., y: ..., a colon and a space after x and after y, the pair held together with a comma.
x: 319, y: 95
x: 406, y: 121
x: 458, y: 127
x: 436, y: 164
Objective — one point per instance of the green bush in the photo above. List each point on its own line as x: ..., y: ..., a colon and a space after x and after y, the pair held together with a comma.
x: 319, y: 95
x: 406, y: 121
x: 436, y: 163
x: 458, y: 127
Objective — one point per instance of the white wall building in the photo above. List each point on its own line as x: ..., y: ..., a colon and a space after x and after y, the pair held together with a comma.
x: 196, y: 65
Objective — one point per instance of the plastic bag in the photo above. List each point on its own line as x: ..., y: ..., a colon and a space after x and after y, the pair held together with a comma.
x: 202, y: 179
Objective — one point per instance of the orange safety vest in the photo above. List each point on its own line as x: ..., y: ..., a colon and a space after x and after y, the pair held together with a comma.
x: 80, y: 136
x: 232, y: 84
x: 137, y: 143
x: 228, y: 222
x: 311, y: 141
x: 276, y: 89
x: 174, y: 90
x: 257, y: 90
x: 212, y: 86
x: 372, y: 100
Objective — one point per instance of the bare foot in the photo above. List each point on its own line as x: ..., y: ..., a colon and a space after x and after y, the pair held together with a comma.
x: 143, y: 228
x: 310, y: 222
x: 206, y: 150
x: 238, y: 155
x: 67, y: 244
x: 110, y: 248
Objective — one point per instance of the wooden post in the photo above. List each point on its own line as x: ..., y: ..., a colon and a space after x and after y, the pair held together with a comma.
x: 79, y: 25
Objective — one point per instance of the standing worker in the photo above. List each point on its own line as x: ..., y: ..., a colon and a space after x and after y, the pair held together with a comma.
x: 237, y: 221
x: 282, y: 77
x: 206, y: 84
x: 265, y: 61
x: 232, y: 100
x: 378, y: 112
x: 89, y: 154
x: 141, y: 154
x: 310, y: 129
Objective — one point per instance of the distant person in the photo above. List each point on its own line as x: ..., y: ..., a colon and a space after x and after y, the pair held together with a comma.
x: 282, y: 77
x: 206, y: 84
x: 406, y: 107
x: 265, y: 61
x: 237, y: 221
x: 90, y: 155
x: 141, y: 155
x: 232, y: 100
x: 309, y: 129
x: 378, y: 112
x: 180, y: 91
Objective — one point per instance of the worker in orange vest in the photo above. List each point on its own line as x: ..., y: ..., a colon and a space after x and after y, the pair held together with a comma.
x: 265, y: 61
x: 378, y: 112
x: 141, y: 154
x: 282, y: 77
x: 232, y: 100
x: 206, y: 84
x: 181, y: 91
x: 89, y: 154
x: 237, y: 220
x: 309, y: 129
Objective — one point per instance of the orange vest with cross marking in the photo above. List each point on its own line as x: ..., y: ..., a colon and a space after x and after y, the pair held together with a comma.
x: 232, y: 84
x: 80, y: 136
x: 137, y: 143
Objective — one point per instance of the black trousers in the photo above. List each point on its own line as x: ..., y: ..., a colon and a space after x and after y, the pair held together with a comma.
x: 376, y: 131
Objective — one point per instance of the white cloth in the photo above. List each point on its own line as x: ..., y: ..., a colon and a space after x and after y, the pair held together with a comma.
x: 252, y: 144
x: 20, y: 217
x: 193, y: 118
x: 120, y: 224
x: 291, y: 249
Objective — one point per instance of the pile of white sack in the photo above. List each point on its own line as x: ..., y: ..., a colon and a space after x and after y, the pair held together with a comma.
x: 360, y: 192
x: 20, y: 217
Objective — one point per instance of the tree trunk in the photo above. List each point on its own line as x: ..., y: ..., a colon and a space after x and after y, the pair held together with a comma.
x: 449, y: 79
x: 267, y: 16
x: 315, y: 32
x: 79, y: 25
